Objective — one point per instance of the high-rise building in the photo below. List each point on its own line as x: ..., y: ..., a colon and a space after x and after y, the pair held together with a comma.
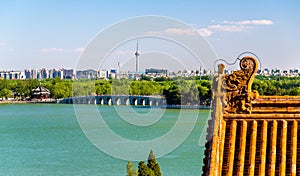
x: 27, y: 73
x: 68, y: 73
x: 44, y: 73
x: 33, y: 74
x: 50, y: 75
x: 86, y: 74
x: 57, y: 73
x: 156, y: 72
x: 12, y: 75
x: 102, y: 74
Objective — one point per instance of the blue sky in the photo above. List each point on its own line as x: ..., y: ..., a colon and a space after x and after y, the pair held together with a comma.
x: 36, y: 34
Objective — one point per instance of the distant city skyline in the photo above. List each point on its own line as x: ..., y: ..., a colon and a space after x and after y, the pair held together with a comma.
x: 63, y: 73
x: 54, y: 34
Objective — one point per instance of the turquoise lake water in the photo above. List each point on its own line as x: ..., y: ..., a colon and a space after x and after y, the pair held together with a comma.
x: 46, y: 139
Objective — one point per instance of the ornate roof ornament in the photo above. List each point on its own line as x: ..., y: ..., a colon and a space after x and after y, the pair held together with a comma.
x: 236, y: 91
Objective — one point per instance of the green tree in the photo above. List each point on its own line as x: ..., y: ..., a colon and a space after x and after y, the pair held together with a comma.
x: 120, y: 86
x: 135, y: 88
x: 151, y: 169
x: 143, y: 170
x: 83, y: 87
x: 5, y: 93
x: 146, y: 78
x: 153, y: 165
x: 103, y: 87
x: 19, y: 89
x: 172, y: 95
x: 189, y: 91
x: 4, y: 84
x: 293, y: 91
x: 147, y: 87
x: 160, y: 79
x: 29, y: 85
x: 61, y: 90
x: 130, y: 170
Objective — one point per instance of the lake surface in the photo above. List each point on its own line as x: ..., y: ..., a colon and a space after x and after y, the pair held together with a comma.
x: 46, y: 139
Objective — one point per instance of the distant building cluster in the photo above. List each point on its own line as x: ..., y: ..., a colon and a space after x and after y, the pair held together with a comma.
x: 116, y: 74
x: 12, y: 75
x: 38, y: 74
x: 275, y: 72
x: 97, y: 74
x: 279, y: 72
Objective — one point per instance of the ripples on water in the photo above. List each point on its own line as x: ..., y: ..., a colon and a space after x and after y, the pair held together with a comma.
x: 45, y: 139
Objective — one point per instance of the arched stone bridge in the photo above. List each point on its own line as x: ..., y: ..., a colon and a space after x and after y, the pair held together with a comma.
x: 116, y: 100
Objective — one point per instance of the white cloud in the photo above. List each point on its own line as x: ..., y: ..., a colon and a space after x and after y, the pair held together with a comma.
x: 225, y: 26
x: 238, y: 26
x: 179, y: 31
x: 204, y: 32
x: 250, y: 22
x: 52, y: 50
x: 229, y: 28
x: 79, y: 50
x: 175, y: 31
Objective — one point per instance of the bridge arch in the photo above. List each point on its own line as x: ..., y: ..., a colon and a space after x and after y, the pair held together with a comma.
x: 108, y: 101
x: 148, y: 102
x: 126, y: 101
x: 93, y: 100
x: 142, y: 102
x: 100, y: 101
x: 86, y: 100
x: 160, y: 102
x: 117, y: 101
x: 134, y: 102
x: 154, y: 103
x: 81, y: 100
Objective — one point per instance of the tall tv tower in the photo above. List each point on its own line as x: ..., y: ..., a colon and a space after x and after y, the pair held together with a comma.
x: 137, y: 53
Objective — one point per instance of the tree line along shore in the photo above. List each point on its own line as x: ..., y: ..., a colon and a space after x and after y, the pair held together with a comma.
x: 179, y: 90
